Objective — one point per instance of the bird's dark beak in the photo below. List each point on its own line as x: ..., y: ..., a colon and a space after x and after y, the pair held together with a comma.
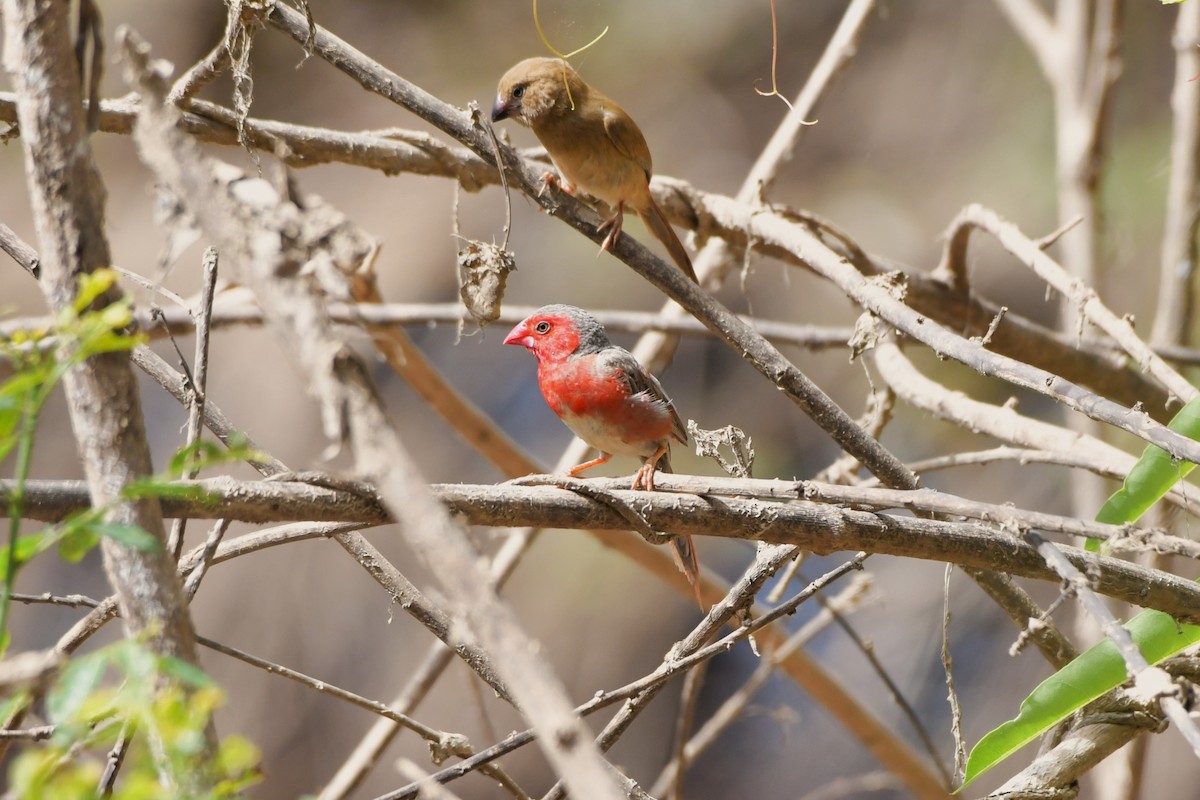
x: 499, y: 110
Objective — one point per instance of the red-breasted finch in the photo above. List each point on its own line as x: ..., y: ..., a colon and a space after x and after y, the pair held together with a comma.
x: 607, y: 399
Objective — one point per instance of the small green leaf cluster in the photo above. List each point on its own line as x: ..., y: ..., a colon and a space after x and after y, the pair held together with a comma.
x: 162, y: 705
x: 86, y: 328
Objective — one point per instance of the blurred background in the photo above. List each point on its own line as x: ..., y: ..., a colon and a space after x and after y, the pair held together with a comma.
x: 942, y: 106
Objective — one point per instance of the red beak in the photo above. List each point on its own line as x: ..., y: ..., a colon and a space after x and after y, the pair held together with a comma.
x: 519, y: 335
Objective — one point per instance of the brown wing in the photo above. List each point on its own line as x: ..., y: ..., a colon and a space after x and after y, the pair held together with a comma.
x: 639, y: 381
x: 625, y: 135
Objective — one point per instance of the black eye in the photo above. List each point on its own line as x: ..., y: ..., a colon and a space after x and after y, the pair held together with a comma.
x: 542, y: 327
x: 519, y: 92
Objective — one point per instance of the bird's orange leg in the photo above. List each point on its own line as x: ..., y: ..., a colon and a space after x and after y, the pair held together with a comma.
x: 645, y: 475
x: 552, y: 180
x: 595, y: 462
x: 613, y: 226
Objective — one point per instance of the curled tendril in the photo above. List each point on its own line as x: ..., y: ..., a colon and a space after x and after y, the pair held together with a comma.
x: 774, y: 59
x: 537, y: 24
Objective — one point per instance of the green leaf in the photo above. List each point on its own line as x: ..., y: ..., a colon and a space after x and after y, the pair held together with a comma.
x: 136, y: 661
x: 132, y: 536
x: 41, y: 773
x: 110, y: 342
x: 164, y: 489
x: 77, y: 543
x: 75, y: 683
x: 140, y: 786
x: 201, y: 454
x: 18, y: 400
x: 91, y: 286
x: 194, y: 456
x: 83, y: 533
x: 12, y: 411
x: 1151, y: 477
x: 116, y: 316
x: 28, y: 546
x: 22, y: 385
x: 1099, y: 670
x: 13, y: 703
x: 236, y: 762
x: 236, y: 755
x: 187, y: 674
x: 75, y: 533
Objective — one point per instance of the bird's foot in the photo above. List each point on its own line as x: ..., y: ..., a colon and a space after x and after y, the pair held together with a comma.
x: 551, y: 180
x: 613, y: 226
x: 644, y: 477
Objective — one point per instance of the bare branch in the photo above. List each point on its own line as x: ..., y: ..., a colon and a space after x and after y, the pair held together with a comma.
x: 1077, y: 293
x: 1177, y: 270
x: 819, y: 528
x: 1037, y: 29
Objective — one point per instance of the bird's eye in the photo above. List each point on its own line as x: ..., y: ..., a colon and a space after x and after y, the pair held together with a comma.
x: 519, y: 92
x: 542, y: 327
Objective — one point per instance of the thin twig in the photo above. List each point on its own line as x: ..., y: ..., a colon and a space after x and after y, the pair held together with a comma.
x: 237, y: 310
x: 116, y: 757
x: 452, y: 743
x: 846, y: 601
x: 868, y: 650
x: 202, y: 73
x: 211, y: 543
x: 670, y: 668
x: 197, y: 386
x: 693, y: 683
x: 960, y: 750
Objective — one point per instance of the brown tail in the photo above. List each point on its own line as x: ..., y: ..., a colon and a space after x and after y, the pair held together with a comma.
x: 662, y: 230
x: 684, y: 550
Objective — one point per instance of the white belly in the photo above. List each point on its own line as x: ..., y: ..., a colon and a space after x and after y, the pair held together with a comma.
x: 601, y: 437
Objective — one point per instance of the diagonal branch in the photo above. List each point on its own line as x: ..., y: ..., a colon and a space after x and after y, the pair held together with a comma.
x: 1078, y: 294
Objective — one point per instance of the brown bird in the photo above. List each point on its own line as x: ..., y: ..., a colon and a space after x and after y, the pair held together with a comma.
x: 597, y: 148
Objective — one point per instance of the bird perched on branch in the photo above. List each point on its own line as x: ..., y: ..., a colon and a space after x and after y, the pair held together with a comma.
x: 607, y: 399
x: 597, y: 148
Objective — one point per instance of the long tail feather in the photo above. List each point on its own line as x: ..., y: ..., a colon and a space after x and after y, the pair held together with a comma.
x: 684, y: 550
x: 662, y: 230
